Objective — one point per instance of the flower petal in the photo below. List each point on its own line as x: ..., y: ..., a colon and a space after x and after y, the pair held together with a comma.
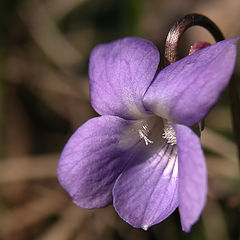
x: 147, y: 190
x: 94, y: 157
x: 186, y: 90
x: 192, y: 176
x: 120, y: 73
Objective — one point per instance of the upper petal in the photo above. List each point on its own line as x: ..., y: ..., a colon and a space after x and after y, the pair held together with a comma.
x: 146, y: 192
x: 186, y: 90
x: 192, y: 176
x: 94, y: 157
x: 120, y: 73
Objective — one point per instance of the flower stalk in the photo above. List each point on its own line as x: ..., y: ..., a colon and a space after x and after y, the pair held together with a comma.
x: 171, y: 56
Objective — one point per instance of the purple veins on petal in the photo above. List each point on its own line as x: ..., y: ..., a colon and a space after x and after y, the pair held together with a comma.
x: 120, y: 73
x: 192, y: 176
x: 94, y: 157
x: 186, y: 90
x: 146, y: 191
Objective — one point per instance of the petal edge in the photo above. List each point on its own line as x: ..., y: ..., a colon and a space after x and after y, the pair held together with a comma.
x: 192, y: 176
x: 93, y: 158
x: 186, y: 90
x: 120, y: 73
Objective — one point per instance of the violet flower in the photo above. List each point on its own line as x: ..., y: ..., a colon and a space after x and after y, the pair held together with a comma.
x: 142, y: 154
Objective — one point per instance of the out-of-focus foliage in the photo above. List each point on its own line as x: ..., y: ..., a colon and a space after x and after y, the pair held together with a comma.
x: 44, y: 51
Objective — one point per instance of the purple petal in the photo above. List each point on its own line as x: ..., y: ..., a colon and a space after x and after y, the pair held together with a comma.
x: 186, y: 90
x: 192, y: 176
x: 120, y: 73
x: 147, y: 190
x: 94, y: 157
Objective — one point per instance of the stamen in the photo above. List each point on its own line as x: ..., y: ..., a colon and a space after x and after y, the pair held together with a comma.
x: 143, y: 133
x: 169, y: 133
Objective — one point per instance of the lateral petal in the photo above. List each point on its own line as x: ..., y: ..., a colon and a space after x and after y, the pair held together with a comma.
x: 186, y: 90
x: 120, y: 73
x: 94, y: 157
x: 192, y: 176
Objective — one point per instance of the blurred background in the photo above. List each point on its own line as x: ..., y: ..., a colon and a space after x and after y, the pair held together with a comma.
x: 44, y: 52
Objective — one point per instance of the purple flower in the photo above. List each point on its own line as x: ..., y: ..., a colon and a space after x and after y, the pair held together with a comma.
x: 142, y: 153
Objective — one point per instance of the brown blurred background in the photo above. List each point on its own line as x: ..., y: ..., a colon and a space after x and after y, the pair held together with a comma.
x: 44, y: 51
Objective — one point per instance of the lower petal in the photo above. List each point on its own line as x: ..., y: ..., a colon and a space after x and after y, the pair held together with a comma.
x: 192, y: 176
x: 147, y: 190
x: 94, y: 157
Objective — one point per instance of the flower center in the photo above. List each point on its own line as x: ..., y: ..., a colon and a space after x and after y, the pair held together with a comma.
x: 143, y: 133
x: 169, y: 133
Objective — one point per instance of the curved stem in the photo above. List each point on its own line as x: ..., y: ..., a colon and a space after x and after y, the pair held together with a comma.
x: 176, y: 32
x: 171, y: 56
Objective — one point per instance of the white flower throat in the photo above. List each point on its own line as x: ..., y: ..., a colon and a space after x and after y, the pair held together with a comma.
x: 168, y: 133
